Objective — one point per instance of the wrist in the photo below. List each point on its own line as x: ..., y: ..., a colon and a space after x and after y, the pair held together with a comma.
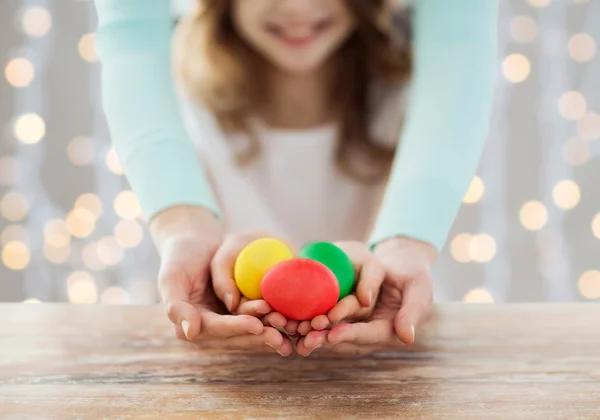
x: 185, y: 222
x: 402, y: 244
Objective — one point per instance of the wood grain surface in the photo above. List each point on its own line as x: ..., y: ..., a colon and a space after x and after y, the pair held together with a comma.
x: 520, y: 361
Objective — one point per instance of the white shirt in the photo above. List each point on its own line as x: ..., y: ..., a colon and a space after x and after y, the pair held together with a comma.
x: 292, y: 189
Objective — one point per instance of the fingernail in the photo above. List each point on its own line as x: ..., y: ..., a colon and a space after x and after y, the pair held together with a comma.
x: 370, y: 297
x: 280, y: 353
x: 185, y: 326
x: 228, y: 301
x: 412, y: 329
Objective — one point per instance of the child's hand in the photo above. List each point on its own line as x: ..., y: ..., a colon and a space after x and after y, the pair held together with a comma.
x: 406, y: 298
x: 187, y: 238
x: 359, y: 305
x: 222, y: 269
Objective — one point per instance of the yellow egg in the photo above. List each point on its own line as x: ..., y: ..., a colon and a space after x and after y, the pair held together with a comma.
x: 254, y: 261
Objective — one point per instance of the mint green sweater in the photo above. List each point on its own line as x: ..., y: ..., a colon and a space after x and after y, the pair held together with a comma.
x: 448, y: 115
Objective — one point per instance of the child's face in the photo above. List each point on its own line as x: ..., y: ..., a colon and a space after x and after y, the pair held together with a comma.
x: 297, y: 36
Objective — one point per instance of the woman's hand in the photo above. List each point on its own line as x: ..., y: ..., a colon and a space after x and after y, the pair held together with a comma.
x: 187, y: 238
x: 405, y: 299
x: 355, y: 307
x: 222, y: 269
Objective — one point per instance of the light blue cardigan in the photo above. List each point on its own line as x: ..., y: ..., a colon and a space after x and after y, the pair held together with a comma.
x: 446, y: 127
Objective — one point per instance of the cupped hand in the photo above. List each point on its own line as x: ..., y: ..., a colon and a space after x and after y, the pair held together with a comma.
x: 187, y: 238
x: 406, y: 298
x: 222, y: 270
x: 359, y: 305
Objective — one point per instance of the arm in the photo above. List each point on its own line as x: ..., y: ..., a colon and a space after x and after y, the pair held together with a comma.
x: 448, y: 116
x: 161, y: 164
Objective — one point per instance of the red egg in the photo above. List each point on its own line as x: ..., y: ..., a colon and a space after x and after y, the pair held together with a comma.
x: 300, y: 288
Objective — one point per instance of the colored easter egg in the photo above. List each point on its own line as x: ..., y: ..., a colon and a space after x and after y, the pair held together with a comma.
x: 254, y: 261
x: 300, y: 289
x: 337, y: 261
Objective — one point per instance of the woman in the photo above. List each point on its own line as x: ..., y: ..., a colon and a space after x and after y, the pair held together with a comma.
x: 294, y: 52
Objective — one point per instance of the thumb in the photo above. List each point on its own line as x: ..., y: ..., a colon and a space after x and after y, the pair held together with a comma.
x: 175, y: 295
x: 417, y: 300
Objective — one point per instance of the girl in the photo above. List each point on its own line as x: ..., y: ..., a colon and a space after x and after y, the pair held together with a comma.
x: 296, y: 109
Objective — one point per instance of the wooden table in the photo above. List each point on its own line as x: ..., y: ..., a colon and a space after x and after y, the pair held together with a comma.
x: 471, y: 362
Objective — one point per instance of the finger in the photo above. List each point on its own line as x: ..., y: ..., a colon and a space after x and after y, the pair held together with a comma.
x: 257, y: 308
x: 221, y: 269
x: 344, y: 309
x: 352, y: 349
x: 225, y: 326
x: 371, y: 277
x: 320, y: 322
x: 378, y: 332
x: 291, y: 327
x: 174, y: 294
x: 274, y: 319
x: 417, y: 300
x: 304, y: 328
x: 314, y: 340
x: 269, y: 340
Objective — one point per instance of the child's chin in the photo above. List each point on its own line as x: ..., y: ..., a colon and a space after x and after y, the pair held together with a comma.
x: 300, y: 67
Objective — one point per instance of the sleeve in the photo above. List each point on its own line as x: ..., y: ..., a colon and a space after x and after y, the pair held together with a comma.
x: 450, y: 105
x: 161, y: 163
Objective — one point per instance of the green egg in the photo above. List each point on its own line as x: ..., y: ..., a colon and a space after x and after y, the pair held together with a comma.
x: 336, y: 260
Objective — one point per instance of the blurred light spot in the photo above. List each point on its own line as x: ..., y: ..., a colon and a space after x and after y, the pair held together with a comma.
x: 56, y: 233
x: 113, y: 163
x: 516, y: 68
x: 57, y: 254
x: 32, y: 300
x: 80, y: 151
x: 13, y: 233
x: 114, y: 296
x: 523, y: 29
x: 109, y: 251
x: 475, y: 192
x: 582, y: 47
x: 87, y: 48
x: 533, y: 215
x: 9, y: 170
x: 566, y: 194
x: 129, y: 233
x: 126, y: 205
x: 459, y: 247
x: 81, y: 288
x: 81, y: 222
x: 576, y: 151
x: 589, y: 284
x: 572, y: 105
x: 482, y: 248
x: 89, y: 255
x: 36, y: 22
x: 19, y: 72
x: 478, y: 296
x: 596, y: 226
x: 15, y: 255
x: 30, y: 128
x: 588, y: 126
x: 91, y: 203
x: 14, y: 206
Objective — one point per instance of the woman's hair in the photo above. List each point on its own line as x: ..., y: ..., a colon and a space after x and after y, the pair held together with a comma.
x: 219, y: 70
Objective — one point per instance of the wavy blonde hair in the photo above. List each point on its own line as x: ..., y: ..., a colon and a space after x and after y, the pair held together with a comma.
x: 220, y: 71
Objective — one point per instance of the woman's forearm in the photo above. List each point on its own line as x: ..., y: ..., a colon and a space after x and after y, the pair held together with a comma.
x: 447, y: 121
x: 160, y: 162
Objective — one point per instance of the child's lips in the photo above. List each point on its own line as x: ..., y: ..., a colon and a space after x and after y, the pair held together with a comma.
x: 298, y: 36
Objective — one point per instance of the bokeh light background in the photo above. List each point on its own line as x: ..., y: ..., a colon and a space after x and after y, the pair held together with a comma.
x: 71, y: 230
